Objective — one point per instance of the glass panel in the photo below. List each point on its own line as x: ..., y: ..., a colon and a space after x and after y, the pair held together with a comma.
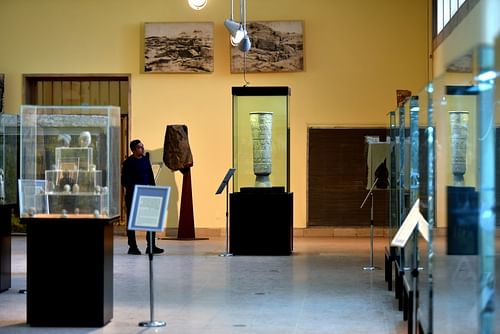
x: 393, y: 175
x: 497, y: 178
x: 460, y: 262
x: 69, y: 159
x: 8, y: 158
x: 424, y: 282
x: 260, y: 137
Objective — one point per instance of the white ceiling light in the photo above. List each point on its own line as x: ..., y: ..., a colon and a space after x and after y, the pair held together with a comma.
x: 197, y: 4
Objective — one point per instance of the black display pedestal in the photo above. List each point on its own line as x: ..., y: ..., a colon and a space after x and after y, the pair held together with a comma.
x: 261, y: 222
x: 69, y: 271
x: 5, y: 246
x: 462, y: 232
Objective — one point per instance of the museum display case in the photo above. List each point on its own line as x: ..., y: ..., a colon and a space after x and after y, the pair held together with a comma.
x: 69, y: 199
x: 8, y: 192
x: 457, y: 279
x: 8, y: 158
x: 261, y: 137
x: 261, y: 157
x: 68, y: 163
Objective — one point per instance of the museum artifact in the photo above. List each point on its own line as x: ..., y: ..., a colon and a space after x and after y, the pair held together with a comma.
x: 261, y: 123
x: 177, y: 156
x: 176, y: 151
x: 85, y: 139
x: 459, y: 126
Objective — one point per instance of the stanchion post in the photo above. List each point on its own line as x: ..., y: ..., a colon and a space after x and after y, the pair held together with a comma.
x: 227, y: 225
x: 371, y: 266
x: 151, y: 322
x: 225, y: 184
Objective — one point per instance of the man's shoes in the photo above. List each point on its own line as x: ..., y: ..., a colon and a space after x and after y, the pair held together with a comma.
x: 134, y: 251
x: 156, y: 250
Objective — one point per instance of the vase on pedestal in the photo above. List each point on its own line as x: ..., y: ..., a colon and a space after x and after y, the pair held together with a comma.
x: 459, y: 127
x: 261, y: 123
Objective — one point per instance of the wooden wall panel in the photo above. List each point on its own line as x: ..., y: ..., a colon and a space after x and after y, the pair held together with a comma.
x: 57, y: 92
x: 114, y: 93
x: 47, y: 93
x: 66, y: 93
x: 124, y: 95
x: 94, y: 93
x: 104, y: 93
x: 39, y: 94
x: 75, y: 93
x: 85, y: 93
x: 337, y: 178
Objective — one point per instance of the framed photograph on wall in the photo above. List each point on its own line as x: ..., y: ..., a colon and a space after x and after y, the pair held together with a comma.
x: 183, y: 47
x: 277, y: 46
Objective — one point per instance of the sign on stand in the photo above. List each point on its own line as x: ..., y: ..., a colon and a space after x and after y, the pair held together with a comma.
x: 149, y: 213
x: 411, y: 221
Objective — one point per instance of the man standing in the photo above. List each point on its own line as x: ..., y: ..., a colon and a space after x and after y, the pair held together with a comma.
x: 136, y: 169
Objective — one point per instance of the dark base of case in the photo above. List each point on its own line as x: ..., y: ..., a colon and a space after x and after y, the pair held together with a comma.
x: 69, y: 272
x: 462, y: 232
x: 261, y: 222
x: 5, y: 246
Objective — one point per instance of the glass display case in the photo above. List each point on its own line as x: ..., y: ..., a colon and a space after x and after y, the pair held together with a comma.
x: 261, y: 137
x: 457, y: 283
x: 69, y: 161
x: 261, y: 155
x: 8, y: 158
x: 8, y: 193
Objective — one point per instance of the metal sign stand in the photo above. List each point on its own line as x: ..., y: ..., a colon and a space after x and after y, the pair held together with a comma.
x: 149, y: 213
x: 370, y: 267
x: 151, y: 322
x: 225, y: 184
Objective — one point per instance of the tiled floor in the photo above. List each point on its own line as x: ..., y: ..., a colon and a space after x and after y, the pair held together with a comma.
x: 321, y: 288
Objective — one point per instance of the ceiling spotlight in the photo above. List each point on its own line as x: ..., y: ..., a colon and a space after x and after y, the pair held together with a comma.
x: 197, y: 4
x: 236, y: 31
x: 245, y: 44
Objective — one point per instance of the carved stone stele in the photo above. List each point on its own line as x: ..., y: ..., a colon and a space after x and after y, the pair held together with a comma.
x: 261, y: 123
x: 176, y: 151
x: 459, y: 127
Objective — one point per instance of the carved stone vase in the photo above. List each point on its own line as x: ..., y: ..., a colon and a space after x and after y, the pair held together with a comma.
x: 261, y: 123
x: 459, y: 127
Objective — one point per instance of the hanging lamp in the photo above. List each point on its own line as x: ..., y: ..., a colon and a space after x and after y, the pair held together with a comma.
x: 238, y: 30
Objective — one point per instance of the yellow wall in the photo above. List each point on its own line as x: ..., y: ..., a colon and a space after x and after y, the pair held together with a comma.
x: 357, y: 54
x: 480, y: 26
